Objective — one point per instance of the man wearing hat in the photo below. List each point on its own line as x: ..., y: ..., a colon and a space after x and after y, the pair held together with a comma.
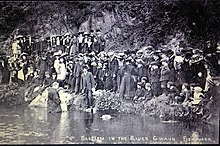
x: 99, y: 42
x: 88, y: 85
x: 139, y: 93
x: 72, y: 75
x: 25, y: 45
x: 16, y: 48
x: 172, y: 92
x: 211, y: 56
x: 120, y: 72
x: 139, y: 53
x: 98, y: 74
x: 141, y: 69
x: 209, y: 48
x: 80, y: 41
x: 53, y: 41
x: 74, y: 48
x: 67, y: 42
x: 43, y: 67
x: 198, y: 71
x: 154, y: 78
x: 70, y: 65
x: 20, y: 39
x: 85, y: 42
x: 5, y: 70
x: 165, y: 75
x: 77, y: 71
x: 113, y: 70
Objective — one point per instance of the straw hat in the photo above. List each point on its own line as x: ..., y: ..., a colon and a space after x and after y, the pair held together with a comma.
x: 198, y: 89
x: 120, y: 55
x: 196, y: 58
x: 128, y: 59
x: 67, y: 34
x: 140, y: 83
x: 111, y: 53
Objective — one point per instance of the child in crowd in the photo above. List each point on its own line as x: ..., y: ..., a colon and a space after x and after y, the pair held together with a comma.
x: 186, y: 94
x: 172, y: 92
x: 148, y: 92
x: 196, y: 101
x: 165, y: 76
x: 139, y: 94
x: 48, y: 80
x: 154, y: 73
x: 144, y: 80
x: 36, y: 78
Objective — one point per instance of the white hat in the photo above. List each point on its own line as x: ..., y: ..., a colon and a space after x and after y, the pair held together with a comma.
x: 121, y: 54
x: 56, y: 54
x: 67, y: 34
x: 197, y: 88
x: 196, y: 58
x: 179, y: 59
x: 140, y: 51
x: 110, y: 53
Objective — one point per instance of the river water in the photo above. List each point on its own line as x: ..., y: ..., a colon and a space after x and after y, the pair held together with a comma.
x: 24, y: 125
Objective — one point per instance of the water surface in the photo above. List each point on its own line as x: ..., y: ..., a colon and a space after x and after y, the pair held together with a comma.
x: 21, y: 125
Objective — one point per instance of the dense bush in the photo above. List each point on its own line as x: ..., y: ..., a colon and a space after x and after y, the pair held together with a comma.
x: 12, y: 94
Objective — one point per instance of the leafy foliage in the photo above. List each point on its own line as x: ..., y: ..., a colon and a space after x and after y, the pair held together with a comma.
x: 140, y: 23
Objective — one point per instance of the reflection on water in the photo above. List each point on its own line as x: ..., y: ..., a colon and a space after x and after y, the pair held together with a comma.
x: 36, y: 126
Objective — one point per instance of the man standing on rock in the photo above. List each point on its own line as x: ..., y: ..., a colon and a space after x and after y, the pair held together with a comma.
x: 88, y: 85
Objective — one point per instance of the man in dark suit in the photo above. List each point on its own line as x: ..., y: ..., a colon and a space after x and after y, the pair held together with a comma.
x: 67, y: 42
x: 88, y: 85
x: 113, y: 70
x: 43, y: 67
x: 154, y: 73
x: 198, y: 71
x: 77, y: 74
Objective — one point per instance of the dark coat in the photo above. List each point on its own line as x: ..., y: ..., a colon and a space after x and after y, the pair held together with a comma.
x: 142, y: 72
x: 165, y: 74
x: 53, y: 103
x: 43, y: 65
x: 184, y: 73
x: 148, y: 94
x: 173, y: 91
x: 154, y: 75
x: 5, y: 73
x: 128, y: 86
x: 87, y: 81
x: 77, y: 70
x: 113, y: 66
x: 140, y: 92
x: 195, y: 69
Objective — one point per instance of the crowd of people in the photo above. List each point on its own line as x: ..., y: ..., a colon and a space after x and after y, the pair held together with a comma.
x: 81, y: 64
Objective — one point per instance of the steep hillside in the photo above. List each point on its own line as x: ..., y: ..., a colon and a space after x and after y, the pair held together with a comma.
x: 126, y: 25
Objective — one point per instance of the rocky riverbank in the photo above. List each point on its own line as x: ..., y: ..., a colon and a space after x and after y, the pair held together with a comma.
x: 13, y: 95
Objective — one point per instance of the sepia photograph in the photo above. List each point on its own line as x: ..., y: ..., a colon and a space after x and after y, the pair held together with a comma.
x: 110, y: 72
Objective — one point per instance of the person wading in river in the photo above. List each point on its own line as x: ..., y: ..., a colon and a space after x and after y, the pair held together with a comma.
x: 53, y: 102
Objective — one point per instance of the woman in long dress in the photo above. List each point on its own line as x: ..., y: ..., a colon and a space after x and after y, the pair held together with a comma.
x: 5, y: 72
